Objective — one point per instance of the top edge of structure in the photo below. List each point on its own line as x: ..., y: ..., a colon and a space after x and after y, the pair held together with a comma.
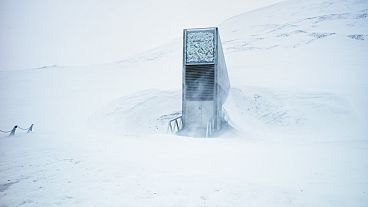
x: 200, y: 29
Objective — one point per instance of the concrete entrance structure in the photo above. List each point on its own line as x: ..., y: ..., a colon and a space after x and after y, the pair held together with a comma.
x: 205, y: 82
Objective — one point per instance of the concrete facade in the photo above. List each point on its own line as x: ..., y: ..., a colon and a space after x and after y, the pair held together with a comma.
x: 205, y: 82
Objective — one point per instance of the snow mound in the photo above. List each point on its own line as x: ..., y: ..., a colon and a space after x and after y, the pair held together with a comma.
x: 249, y: 109
x: 145, y: 112
x: 252, y: 109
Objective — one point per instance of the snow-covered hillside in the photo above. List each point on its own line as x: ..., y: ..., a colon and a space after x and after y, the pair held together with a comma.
x: 304, y: 60
x: 298, y: 72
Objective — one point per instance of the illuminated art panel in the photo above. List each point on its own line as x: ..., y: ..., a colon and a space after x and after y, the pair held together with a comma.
x: 200, y: 47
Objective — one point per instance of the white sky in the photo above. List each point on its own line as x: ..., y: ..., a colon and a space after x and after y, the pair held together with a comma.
x: 35, y: 33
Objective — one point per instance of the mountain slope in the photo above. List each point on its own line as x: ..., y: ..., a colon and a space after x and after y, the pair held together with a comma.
x: 313, y: 53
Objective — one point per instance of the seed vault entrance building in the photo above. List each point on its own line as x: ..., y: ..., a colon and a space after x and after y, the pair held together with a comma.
x: 205, y: 82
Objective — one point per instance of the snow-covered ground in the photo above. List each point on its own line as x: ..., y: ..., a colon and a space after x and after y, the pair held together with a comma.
x: 298, y: 72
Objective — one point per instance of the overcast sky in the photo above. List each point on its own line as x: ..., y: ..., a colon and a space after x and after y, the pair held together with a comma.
x: 35, y: 33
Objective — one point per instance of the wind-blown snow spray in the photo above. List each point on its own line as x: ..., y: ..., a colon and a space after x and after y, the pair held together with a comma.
x: 205, y: 82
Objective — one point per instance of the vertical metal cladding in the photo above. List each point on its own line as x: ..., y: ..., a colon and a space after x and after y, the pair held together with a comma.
x: 205, y: 81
